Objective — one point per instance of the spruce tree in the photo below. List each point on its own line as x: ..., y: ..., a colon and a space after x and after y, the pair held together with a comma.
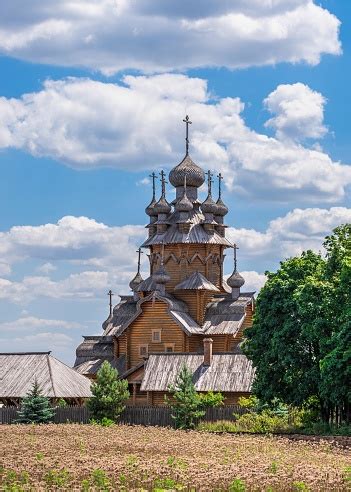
x: 35, y: 408
x: 109, y: 394
x: 186, y: 404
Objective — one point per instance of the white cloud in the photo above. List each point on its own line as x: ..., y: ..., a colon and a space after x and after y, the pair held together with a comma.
x: 46, y: 268
x: 32, y: 323
x: 298, y: 112
x: 254, y: 281
x: 37, y: 342
x: 297, y: 231
x: 111, y: 35
x: 138, y: 125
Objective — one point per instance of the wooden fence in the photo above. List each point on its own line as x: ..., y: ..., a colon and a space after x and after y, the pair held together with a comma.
x: 138, y: 415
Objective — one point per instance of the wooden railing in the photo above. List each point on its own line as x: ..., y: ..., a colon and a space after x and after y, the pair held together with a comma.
x: 132, y: 415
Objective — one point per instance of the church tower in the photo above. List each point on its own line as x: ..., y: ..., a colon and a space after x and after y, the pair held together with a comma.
x: 185, y: 306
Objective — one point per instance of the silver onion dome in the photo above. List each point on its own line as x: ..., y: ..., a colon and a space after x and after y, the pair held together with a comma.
x: 235, y: 280
x: 194, y: 175
x: 162, y: 206
x: 222, y: 208
x: 150, y: 209
x: 209, y: 206
x: 135, y: 282
x: 161, y: 276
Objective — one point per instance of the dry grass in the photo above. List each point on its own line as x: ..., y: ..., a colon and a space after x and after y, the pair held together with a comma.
x: 149, y: 458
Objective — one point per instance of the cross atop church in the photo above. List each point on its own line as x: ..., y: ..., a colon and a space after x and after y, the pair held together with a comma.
x: 220, y: 178
x: 110, y: 294
x: 163, y: 181
x: 235, y: 247
x: 139, y: 256
x: 209, y: 181
x: 187, y: 123
x: 153, y: 177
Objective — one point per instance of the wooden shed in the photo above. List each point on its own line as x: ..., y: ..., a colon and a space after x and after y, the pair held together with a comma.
x: 18, y: 371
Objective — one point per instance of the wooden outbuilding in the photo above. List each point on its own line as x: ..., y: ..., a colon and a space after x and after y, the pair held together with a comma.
x: 184, y: 300
x: 18, y: 371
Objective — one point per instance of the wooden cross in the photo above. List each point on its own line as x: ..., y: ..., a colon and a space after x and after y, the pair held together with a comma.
x: 235, y: 247
x: 209, y: 181
x: 110, y: 294
x: 163, y: 181
x: 153, y: 177
x: 187, y: 123
x: 220, y: 178
x: 139, y: 256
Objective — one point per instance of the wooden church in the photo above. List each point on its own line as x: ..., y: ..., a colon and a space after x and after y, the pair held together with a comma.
x: 184, y: 312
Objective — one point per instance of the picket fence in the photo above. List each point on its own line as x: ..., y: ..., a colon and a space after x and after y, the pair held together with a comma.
x: 137, y: 415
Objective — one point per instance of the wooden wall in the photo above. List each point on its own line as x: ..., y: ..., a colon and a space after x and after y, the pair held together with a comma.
x: 181, y: 260
x: 155, y: 316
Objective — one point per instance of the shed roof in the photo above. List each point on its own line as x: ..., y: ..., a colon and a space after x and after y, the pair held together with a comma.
x: 56, y: 380
x: 228, y: 372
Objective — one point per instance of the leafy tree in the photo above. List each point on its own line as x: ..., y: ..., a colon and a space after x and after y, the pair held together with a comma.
x: 109, y: 394
x: 187, y: 404
x: 300, y: 338
x: 35, y: 408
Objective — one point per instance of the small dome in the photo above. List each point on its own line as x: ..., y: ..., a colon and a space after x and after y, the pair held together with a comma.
x: 209, y: 206
x: 161, y: 276
x: 222, y: 209
x: 150, y: 209
x: 162, y: 206
x: 235, y: 280
x: 195, y: 176
x: 135, y: 282
x: 184, y: 204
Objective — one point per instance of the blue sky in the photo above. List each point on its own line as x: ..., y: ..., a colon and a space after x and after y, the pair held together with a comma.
x: 91, y: 100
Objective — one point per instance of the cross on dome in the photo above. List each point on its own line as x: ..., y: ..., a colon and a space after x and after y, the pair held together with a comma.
x: 187, y: 123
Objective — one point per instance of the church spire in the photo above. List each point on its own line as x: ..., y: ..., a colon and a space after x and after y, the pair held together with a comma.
x: 138, y: 279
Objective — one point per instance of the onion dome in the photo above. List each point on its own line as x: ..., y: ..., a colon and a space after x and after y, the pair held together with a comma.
x: 150, y: 209
x: 194, y: 175
x: 135, y: 282
x: 161, y: 276
x: 184, y: 204
x: 209, y: 206
x: 222, y: 209
x: 162, y: 206
x: 235, y: 281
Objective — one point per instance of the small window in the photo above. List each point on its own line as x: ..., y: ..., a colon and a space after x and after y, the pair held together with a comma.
x: 156, y: 336
x: 169, y: 347
x: 143, y: 350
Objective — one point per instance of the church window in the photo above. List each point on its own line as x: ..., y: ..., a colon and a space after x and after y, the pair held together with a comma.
x: 169, y: 347
x: 143, y: 350
x: 156, y: 336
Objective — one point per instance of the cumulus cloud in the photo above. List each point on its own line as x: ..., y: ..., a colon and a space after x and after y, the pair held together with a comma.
x: 287, y: 236
x: 148, y: 35
x: 137, y: 124
x: 298, y: 112
x: 32, y: 323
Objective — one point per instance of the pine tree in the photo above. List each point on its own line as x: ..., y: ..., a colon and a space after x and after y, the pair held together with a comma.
x: 35, y: 408
x: 186, y: 404
x: 109, y: 394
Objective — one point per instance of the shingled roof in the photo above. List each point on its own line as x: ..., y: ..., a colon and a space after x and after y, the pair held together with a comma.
x: 226, y: 315
x: 228, y: 372
x: 196, y: 281
x: 55, y: 379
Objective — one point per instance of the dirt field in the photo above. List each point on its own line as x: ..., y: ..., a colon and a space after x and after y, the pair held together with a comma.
x: 84, y: 457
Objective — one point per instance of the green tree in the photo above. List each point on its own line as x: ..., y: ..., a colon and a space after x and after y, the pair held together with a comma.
x: 187, y: 404
x: 35, y: 408
x: 109, y: 394
x: 299, y: 341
